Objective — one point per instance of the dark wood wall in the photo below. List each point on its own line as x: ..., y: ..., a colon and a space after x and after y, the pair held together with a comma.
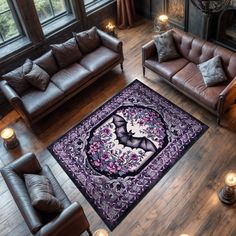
x: 40, y: 44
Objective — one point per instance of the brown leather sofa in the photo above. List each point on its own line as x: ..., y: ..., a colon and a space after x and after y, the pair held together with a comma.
x: 71, y: 221
x: 33, y: 104
x: 184, y: 75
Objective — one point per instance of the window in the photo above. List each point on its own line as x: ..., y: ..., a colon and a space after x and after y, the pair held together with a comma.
x: 91, y: 5
x: 9, y: 27
x: 50, y: 10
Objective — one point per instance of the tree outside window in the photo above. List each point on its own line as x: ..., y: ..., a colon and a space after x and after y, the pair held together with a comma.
x: 49, y: 9
x: 8, y: 27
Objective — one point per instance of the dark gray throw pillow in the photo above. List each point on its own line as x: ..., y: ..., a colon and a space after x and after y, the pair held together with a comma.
x: 38, y: 77
x: 212, y: 71
x: 165, y: 47
x: 88, y: 40
x: 16, y: 78
x: 66, y: 53
x: 41, y: 193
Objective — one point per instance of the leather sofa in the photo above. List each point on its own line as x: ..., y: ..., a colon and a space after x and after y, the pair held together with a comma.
x: 71, y: 221
x: 184, y: 75
x: 33, y: 104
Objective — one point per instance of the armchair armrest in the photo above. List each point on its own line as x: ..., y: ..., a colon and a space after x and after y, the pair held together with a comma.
x: 148, y: 50
x: 72, y: 221
x: 111, y: 42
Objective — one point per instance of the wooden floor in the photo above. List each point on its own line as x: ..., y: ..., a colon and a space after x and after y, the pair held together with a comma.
x: 184, y: 201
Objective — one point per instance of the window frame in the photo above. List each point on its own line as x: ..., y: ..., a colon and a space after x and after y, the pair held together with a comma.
x: 67, y: 11
x: 95, y: 4
x: 17, y: 22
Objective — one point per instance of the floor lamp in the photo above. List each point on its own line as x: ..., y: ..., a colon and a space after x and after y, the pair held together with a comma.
x: 208, y: 7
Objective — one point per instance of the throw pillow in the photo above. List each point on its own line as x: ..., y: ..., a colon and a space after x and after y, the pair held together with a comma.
x: 165, y: 47
x: 41, y: 193
x: 66, y: 53
x: 212, y: 71
x: 16, y: 79
x: 88, y: 40
x: 38, y: 77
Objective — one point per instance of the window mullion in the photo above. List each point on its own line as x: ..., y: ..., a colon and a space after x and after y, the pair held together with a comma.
x: 53, y: 12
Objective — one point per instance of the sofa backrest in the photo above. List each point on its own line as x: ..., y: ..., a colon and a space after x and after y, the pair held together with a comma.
x: 197, y: 51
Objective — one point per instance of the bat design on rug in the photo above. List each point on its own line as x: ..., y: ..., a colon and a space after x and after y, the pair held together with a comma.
x: 126, y: 138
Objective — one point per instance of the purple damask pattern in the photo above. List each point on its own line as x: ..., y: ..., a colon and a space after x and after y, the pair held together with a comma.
x: 119, y: 152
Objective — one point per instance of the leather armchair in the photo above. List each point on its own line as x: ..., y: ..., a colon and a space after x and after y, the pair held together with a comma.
x: 71, y: 221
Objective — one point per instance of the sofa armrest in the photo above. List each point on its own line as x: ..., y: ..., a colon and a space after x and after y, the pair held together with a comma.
x: 148, y: 50
x: 111, y: 42
x: 8, y: 92
x: 71, y: 221
x: 227, y: 97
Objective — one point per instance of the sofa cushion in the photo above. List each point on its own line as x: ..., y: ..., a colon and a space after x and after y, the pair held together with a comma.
x: 166, y: 69
x: 37, y: 101
x: 41, y: 193
x: 66, y: 53
x: 99, y: 60
x: 165, y: 47
x: 48, y: 63
x: 38, y: 77
x: 16, y: 78
x: 71, y: 78
x: 88, y: 40
x: 189, y: 80
x: 212, y: 71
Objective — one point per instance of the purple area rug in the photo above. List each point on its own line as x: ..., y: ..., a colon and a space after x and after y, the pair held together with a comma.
x: 120, y: 151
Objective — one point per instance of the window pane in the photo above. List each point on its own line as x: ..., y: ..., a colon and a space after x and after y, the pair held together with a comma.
x: 3, y: 5
x: 8, y: 27
x: 44, y: 9
x: 58, y: 6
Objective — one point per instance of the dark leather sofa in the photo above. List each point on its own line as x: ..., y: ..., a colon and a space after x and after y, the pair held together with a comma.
x: 184, y: 75
x: 33, y: 104
x: 71, y: 221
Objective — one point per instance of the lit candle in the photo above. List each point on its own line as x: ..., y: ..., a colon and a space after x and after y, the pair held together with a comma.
x: 9, y: 138
x: 100, y: 232
x: 110, y: 27
x: 163, y: 19
x: 230, y: 179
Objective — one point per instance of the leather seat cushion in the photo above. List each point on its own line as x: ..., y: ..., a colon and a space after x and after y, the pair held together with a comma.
x: 105, y: 56
x: 70, y: 78
x: 37, y: 101
x: 190, y: 80
x: 166, y: 69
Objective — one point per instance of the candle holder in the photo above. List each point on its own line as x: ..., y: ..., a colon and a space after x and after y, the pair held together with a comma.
x: 110, y: 29
x: 10, y: 140
x: 101, y: 232
x: 227, y: 193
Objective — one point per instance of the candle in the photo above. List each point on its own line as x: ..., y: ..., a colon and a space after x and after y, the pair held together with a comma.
x: 163, y: 19
x: 9, y: 138
x: 110, y: 27
x: 230, y: 179
x: 100, y: 232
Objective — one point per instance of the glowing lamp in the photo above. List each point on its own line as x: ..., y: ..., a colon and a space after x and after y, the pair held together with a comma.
x: 227, y: 193
x: 9, y: 138
x: 100, y: 232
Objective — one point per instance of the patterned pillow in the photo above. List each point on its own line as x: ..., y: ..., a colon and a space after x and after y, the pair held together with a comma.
x: 16, y: 79
x: 212, y: 71
x: 38, y: 77
x: 88, y: 40
x: 66, y: 53
x: 165, y: 47
x: 41, y: 193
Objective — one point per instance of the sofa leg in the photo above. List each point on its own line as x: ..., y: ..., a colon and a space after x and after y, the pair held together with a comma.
x: 218, y: 121
x: 121, y: 67
x: 143, y: 71
x: 89, y: 232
